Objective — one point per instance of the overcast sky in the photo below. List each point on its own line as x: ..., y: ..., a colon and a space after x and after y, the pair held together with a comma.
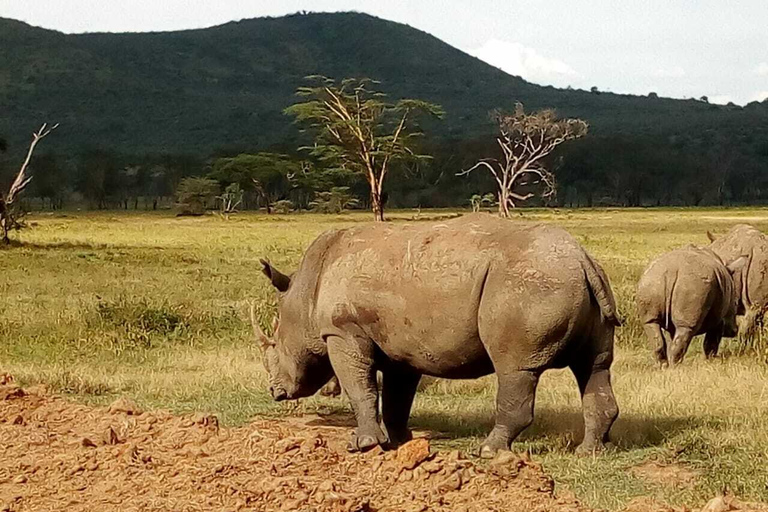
x: 677, y: 48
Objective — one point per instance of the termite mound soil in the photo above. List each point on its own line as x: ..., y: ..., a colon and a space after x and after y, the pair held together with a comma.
x: 58, y: 455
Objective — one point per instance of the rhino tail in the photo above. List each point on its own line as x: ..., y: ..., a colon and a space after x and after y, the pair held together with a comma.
x: 601, y: 290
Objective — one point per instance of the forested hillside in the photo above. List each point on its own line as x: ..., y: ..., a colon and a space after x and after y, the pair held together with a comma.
x: 178, y: 99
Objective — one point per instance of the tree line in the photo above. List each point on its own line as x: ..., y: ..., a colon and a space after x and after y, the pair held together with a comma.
x: 364, y: 150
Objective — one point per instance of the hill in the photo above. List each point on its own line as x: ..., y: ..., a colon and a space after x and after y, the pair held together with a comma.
x: 221, y: 90
x: 201, y: 90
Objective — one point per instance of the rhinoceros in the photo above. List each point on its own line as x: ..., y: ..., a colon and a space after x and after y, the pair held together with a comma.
x: 687, y: 292
x: 458, y: 299
x: 743, y: 239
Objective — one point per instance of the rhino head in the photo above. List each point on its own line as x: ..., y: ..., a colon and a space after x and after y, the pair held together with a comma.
x: 295, y: 357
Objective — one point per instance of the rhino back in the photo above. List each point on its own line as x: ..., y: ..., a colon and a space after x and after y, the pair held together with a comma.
x: 417, y: 290
x: 686, y: 287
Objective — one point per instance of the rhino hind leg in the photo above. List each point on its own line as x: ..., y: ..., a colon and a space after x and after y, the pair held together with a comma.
x: 657, y: 342
x: 712, y: 342
x: 397, y: 394
x: 679, y: 345
x: 352, y: 360
x: 598, y: 402
x: 514, y: 409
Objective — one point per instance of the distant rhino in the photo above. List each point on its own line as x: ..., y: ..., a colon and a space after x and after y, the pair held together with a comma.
x: 457, y: 299
x: 687, y: 292
x: 743, y: 239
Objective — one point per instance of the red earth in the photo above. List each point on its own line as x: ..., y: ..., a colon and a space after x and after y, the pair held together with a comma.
x: 59, y: 455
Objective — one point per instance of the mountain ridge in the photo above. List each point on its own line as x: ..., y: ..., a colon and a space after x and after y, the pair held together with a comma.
x: 223, y: 88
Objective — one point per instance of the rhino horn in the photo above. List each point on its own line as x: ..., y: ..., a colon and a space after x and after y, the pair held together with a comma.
x: 278, y: 279
x: 263, y: 340
x: 711, y: 237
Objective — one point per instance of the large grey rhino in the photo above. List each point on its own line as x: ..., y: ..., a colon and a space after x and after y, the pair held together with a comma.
x: 743, y: 239
x: 457, y: 299
x: 687, y: 292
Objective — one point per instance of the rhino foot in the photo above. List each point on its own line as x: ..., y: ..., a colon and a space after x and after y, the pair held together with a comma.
x: 493, y: 444
x: 489, y: 452
x: 333, y: 388
x: 364, y: 442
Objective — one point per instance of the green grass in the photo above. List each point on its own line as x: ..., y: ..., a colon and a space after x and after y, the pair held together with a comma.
x: 154, y: 307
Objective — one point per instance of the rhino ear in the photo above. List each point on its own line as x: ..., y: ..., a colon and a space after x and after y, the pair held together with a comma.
x: 278, y: 279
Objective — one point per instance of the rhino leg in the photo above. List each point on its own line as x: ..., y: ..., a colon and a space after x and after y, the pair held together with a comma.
x: 333, y: 388
x: 712, y: 342
x: 657, y: 342
x: 597, y: 399
x: 352, y: 360
x: 679, y: 346
x: 514, y: 409
x: 397, y: 394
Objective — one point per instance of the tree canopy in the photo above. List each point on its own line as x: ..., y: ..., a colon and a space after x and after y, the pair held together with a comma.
x: 357, y: 129
x: 526, y: 140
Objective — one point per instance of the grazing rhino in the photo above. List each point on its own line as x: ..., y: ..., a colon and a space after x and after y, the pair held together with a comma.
x: 687, y: 292
x: 743, y: 239
x: 457, y: 299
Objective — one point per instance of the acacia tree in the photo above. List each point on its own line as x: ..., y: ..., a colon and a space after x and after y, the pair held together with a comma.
x: 359, y: 130
x: 9, y: 212
x: 525, y: 140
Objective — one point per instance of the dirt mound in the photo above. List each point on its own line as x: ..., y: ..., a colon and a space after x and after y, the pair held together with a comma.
x: 56, y: 455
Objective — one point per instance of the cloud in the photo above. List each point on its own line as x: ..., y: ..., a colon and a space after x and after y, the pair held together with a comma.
x: 676, y: 72
x: 518, y: 59
x: 761, y: 69
x: 760, y: 96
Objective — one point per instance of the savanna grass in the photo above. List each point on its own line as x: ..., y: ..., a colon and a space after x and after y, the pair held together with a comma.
x: 155, y: 307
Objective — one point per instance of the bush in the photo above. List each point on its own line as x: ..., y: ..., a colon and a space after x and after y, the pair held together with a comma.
x: 335, y: 200
x: 282, y: 206
x: 195, y: 195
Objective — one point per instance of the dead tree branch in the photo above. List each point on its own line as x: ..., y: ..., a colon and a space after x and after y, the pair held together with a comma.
x: 8, y: 212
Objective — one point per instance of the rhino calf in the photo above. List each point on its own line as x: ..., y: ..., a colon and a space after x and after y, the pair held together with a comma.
x: 687, y: 292
x: 457, y: 299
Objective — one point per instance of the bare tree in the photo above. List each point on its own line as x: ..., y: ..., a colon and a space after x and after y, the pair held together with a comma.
x: 525, y: 140
x: 9, y: 212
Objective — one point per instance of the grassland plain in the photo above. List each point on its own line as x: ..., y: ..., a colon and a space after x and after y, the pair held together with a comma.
x: 148, y: 305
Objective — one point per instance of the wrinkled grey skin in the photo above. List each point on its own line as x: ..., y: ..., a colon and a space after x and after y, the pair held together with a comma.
x: 687, y: 292
x: 743, y: 239
x: 456, y: 299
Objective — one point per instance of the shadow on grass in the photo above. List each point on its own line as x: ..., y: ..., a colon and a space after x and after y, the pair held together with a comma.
x: 65, y: 246
x: 629, y: 432
x: 566, y: 427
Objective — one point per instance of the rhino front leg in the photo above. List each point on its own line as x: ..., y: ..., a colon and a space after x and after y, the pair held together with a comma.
x: 514, y: 409
x: 712, y: 343
x: 398, y: 391
x: 597, y: 400
x: 352, y: 360
x: 333, y: 388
